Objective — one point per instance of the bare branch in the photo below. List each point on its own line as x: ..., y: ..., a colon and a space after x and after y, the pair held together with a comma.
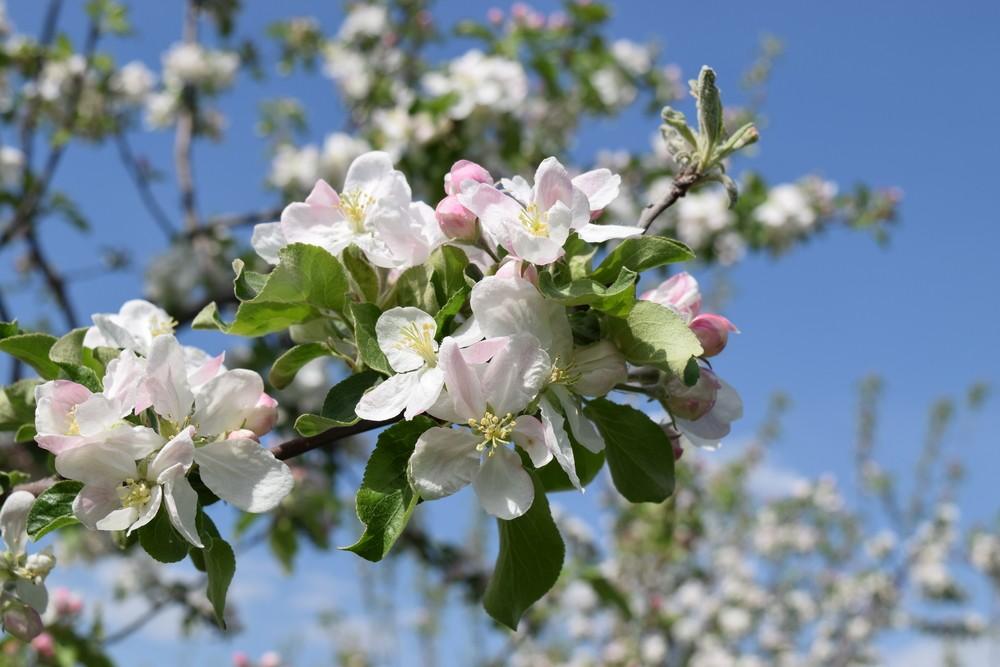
x: 139, y: 175
x: 682, y: 182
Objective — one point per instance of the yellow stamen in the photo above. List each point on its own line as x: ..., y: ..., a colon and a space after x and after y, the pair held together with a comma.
x: 160, y: 327
x: 534, y: 221
x: 567, y: 375
x: 495, y: 430
x: 420, y: 339
x: 134, y: 493
x: 74, y: 425
x: 354, y: 205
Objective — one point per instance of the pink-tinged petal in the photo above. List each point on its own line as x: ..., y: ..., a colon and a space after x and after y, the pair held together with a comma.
x: 166, y: 380
x: 388, y: 399
x: 680, y: 293
x: 444, y: 461
x: 243, y: 473
x: 456, y: 221
x: 55, y: 402
x: 712, y: 332
x: 467, y: 333
x: 462, y: 172
x: 19, y: 619
x: 557, y: 441
x: 516, y: 374
x: 464, y: 386
x: 200, y: 367
x: 507, y: 306
x: 178, y: 452
x: 600, y: 233
x: 511, y: 267
x: 148, y: 511
x: 323, y: 195
x: 314, y: 225
x: 552, y: 184
x: 483, y: 351
x: 429, y: 386
x: 224, y: 403
x: 137, y: 442
x: 505, y: 490
x: 181, y: 502
x: 243, y: 434
x: 97, y: 414
x: 93, y: 503
x: 268, y: 239
x: 600, y: 186
x: 123, y: 381
x: 529, y: 435
x: 497, y: 212
x: 98, y: 464
x: 263, y: 416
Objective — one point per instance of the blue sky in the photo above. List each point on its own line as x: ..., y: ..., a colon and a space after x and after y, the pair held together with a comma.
x: 891, y: 93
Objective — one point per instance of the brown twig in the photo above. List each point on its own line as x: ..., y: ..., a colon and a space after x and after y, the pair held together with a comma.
x: 141, y: 179
x: 679, y: 187
x: 298, y: 446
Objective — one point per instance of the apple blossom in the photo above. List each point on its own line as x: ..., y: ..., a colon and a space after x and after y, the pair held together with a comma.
x: 486, y: 400
x: 712, y: 332
x: 25, y: 574
x: 680, y: 293
x: 463, y: 172
x: 708, y: 430
x: 457, y: 222
x: 133, y: 327
x: 693, y: 402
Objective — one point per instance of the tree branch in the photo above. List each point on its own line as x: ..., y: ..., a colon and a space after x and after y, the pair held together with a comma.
x: 682, y: 182
x: 139, y: 176
x: 298, y: 446
x: 185, y: 130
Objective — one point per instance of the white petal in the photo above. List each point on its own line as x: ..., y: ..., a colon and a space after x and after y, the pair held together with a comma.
x: 243, y: 473
x: 600, y: 233
x: 389, y: 398
x: 122, y: 381
x: 149, y: 510
x: 444, y: 461
x: 582, y: 428
x: 223, y: 403
x: 600, y: 186
x: 32, y: 594
x: 557, y: 440
x: 429, y: 387
x: 464, y: 386
x: 136, y: 441
x: 179, y: 451
x: 267, y: 240
x: 181, y: 502
x: 14, y: 520
x: 516, y: 374
x: 322, y: 226
x: 529, y: 435
x: 484, y: 350
x: 506, y: 306
x: 97, y: 463
x: 119, y: 519
x: 505, y: 490
x: 93, y: 503
x: 166, y: 380
x: 401, y: 332
x: 467, y: 333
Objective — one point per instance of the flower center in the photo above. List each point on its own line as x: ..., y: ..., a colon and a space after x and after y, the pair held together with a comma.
x: 160, y: 327
x: 134, y: 493
x: 495, y: 431
x: 354, y: 205
x: 534, y: 220
x: 420, y: 339
x: 74, y: 426
x: 563, y: 375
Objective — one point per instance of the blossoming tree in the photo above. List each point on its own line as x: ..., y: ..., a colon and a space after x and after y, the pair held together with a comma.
x: 478, y: 297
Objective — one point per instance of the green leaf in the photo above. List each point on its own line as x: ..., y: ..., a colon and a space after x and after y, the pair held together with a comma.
x: 365, y: 316
x: 608, y: 592
x: 53, y: 509
x: 639, y: 453
x: 338, y: 408
x: 307, y: 284
x: 288, y: 364
x: 247, y: 284
x: 653, y: 335
x: 615, y: 300
x: 17, y: 404
x: 385, y: 500
x: 11, y: 478
x: 81, y: 375
x: 69, y: 349
x: 219, y: 563
x: 709, y: 108
x: 641, y: 254
x: 447, y: 265
x: 33, y: 349
x: 444, y: 317
x: 161, y: 541
x: 415, y: 287
x: 284, y: 542
x: 528, y: 563
x: 362, y: 273
x: 26, y: 433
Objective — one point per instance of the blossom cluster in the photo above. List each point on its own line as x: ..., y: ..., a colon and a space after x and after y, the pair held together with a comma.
x: 164, y: 408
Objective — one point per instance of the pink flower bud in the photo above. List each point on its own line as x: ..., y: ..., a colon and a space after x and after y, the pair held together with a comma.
x: 462, y: 171
x: 242, y: 434
x: 495, y: 15
x: 241, y: 659
x: 692, y: 402
x: 45, y: 645
x: 712, y: 332
x: 19, y: 619
x: 263, y: 416
x: 456, y: 221
x: 516, y: 268
x: 678, y: 293
x: 66, y: 603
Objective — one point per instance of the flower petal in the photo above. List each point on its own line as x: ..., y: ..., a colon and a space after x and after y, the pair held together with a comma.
x: 93, y: 503
x: 97, y: 463
x: 267, y: 239
x: 592, y: 233
x: 464, y: 386
x: 582, y: 428
x: 179, y: 451
x: 557, y: 440
x: 506, y: 306
x: 444, y: 461
x: 166, y: 380
x: 600, y: 186
x: 429, y: 387
x: 32, y: 594
x: 225, y: 402
x: 529, y: 435
x: 181, y: 502
x: 119, y: 519
x: 401, y: 333
x: 149, y: 510
x: 505, y: 490
x: 243, y: 473
x: 14, y: 520
x: 516, y: 374
x: 552, y: 184
x: 389, y: 398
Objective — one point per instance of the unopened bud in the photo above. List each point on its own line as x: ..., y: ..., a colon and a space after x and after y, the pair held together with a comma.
x: 270, y: 659
x: 40, y: 564
x: 19, y: 619
x: 456, y: 221
x: 66, y: 602
x: 712, y: 332
x: 516, y: 268
x: 263, y: 416
x: 463, y: 171
x: 695, y: 402
x: 241, y: 659
x: 600, y: 367
x: 44, y: 645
